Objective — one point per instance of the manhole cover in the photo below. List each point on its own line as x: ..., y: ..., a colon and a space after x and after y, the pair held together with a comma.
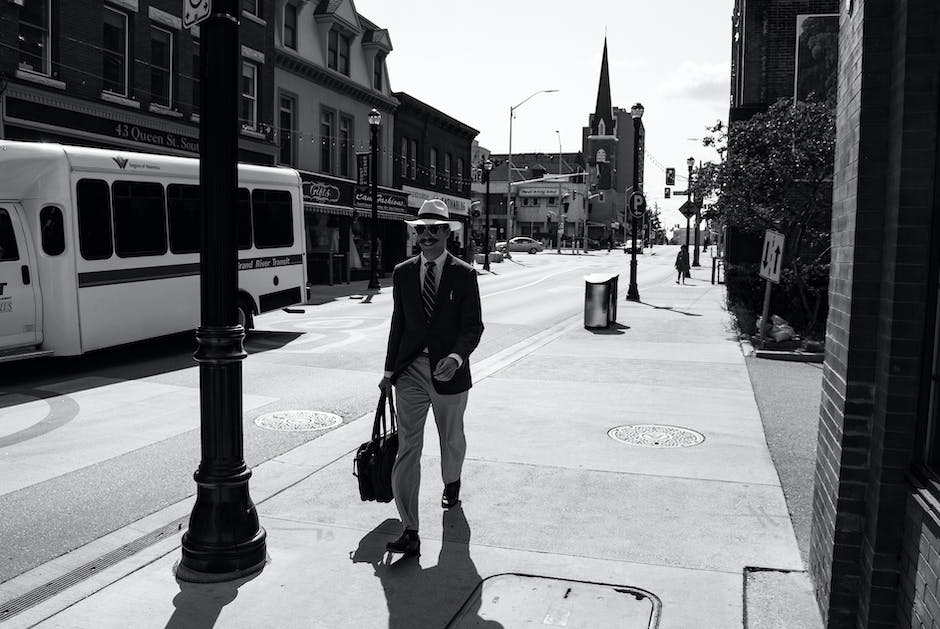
x: 298, y: 420
x: 656, y: 436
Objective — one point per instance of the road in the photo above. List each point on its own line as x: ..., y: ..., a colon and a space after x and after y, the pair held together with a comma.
x: 91, y: 444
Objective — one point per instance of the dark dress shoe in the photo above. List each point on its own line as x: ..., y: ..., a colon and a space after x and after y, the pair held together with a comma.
x: 451, y: 495
x: 408, y: 544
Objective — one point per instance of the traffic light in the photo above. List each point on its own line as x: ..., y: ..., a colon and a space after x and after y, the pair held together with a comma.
x: 565, y: 205
x: 668, y: 193
x: 670, y: 176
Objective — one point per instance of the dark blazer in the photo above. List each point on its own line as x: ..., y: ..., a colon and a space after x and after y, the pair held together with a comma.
x: 456, y: 326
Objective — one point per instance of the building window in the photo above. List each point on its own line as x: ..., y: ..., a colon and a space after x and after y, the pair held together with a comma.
x: 327, y: 123
x: 413, y: 164
x: 377, y: 72
x: 194, y: 79
x: 290, y: 26
x: 447, y: 170
x: 433, y: 168
x: 249, y: 111
x: 345, y: 145
x: 460, y: 179
x: 338, y: 52
x: 161, y: 67
x: 114, y: 51
x: 286, y: 138
x: 252, y: 6
x: 404, y: 158
x: 35, y: 23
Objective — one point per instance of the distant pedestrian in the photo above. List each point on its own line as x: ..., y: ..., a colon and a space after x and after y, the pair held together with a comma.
x: 682, y: 264
x: 610, y: 243
x: 436, y: 325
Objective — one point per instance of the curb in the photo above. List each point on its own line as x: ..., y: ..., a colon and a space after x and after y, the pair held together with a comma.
x: 793, y: 356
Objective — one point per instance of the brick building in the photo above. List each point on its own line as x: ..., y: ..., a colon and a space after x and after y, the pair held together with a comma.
x: 123, y: 74
x: 875, y: 551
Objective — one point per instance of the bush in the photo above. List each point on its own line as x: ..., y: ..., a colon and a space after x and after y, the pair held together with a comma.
x: 746, y: 298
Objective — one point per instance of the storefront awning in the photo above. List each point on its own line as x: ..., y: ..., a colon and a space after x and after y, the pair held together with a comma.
x: 362, y: 213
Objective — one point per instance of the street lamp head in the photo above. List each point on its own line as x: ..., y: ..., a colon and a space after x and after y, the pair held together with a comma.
x: 690, y: 162
x: 637, y: 111
x: 488, y: 165
x: 375, y: 118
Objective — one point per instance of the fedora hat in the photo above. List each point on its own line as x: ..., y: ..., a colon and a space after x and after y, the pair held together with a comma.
x: 434, y: 212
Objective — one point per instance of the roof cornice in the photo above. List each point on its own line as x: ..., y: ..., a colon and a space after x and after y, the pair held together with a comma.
x: 333, y: 80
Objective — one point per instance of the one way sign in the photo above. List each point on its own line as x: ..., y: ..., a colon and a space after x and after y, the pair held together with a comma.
x: 772, y: 256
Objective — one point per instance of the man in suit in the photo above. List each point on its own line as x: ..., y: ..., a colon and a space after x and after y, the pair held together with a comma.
x: 436, y: 324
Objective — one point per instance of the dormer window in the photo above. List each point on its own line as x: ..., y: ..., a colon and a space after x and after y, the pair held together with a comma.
x: 338, y: 51
x: 377, y: 72
x: 290, y: 26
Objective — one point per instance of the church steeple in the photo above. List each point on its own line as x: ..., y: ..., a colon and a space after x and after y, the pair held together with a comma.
x: 603, y: 120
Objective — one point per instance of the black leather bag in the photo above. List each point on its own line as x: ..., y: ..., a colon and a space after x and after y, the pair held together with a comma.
x: 375, y: 458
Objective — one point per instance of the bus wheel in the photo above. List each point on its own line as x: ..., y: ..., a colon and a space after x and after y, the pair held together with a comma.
x: 244, y: 316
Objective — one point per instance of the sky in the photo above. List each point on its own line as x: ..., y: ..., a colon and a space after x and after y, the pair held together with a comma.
x: 475, y: 60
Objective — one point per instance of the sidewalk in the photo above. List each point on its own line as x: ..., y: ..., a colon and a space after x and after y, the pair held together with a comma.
x: 562, y: 520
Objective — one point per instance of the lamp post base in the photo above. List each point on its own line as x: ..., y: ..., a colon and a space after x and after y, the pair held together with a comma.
x: 633, y: 293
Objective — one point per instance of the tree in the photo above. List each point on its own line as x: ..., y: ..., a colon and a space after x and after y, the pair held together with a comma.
x: 775, y: 173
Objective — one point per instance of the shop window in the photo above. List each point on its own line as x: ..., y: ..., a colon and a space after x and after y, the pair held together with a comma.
x: 272, y: 218
x: 94, y: 219
x: 327, y: 124
x: 345, y: 145
x: 290, y: 26
x: 8, y: 249
x: 286, y: 136
x: 114, y: 51
x: 249, y: 101
x: 184, y: 218
x: 34, y: 26
x: 139, y: 219
x: 52, y: 230
x: 161, y: 67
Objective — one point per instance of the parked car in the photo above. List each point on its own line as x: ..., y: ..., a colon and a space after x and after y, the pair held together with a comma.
x: 520, y: 243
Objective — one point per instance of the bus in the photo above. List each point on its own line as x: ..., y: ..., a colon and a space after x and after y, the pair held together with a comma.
x: 100, y: 247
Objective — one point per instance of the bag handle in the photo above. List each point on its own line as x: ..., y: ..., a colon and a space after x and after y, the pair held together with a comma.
x: 381, y: 427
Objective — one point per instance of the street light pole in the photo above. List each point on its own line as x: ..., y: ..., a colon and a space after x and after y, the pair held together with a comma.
x: 487, y: 167
x: 633, y: 293
x: 561, y: 214
x: 225, y: 540
x: 509, y: 232
x: 375, y: 119
x: 697, y: 228
x: 689, y: 162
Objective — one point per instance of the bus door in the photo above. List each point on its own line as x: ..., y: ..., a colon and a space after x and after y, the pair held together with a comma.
x: 18, y: 283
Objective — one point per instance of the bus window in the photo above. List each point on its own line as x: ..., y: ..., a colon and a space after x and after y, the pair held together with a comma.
x: 53, y: 230
x: 243, y: 218
x: 139, y: 219
x: 183, y: 214
x: 272, y: 219
x: 8, y: 250
x: 94, y: 219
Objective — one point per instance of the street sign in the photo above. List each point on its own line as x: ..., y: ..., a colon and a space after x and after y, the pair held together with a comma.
x: 636, y: 204
x: 772, y: 257
x: 688, y: 208
x: 195, y: 11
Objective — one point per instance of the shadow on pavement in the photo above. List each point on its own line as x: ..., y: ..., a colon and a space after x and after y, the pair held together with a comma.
x: 198, y: 605
x: 671, y: 309
x: 425, y: 597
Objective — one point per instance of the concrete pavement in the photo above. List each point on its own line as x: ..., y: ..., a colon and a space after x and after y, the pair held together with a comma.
x: 614, y: 478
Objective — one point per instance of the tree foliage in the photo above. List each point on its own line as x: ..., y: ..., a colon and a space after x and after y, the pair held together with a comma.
x: 775, y: 172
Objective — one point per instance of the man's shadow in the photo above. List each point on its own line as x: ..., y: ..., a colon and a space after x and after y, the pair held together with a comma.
x: 426, y: 597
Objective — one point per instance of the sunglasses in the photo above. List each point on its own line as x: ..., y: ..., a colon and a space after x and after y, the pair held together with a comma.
x: 433, y: 229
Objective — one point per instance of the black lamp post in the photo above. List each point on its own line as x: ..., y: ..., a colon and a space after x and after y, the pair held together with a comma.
x: 487, y: 167
x: 633, y: 293
x: 225, y: 540
x: 375, y: 119
x: 688, y: 217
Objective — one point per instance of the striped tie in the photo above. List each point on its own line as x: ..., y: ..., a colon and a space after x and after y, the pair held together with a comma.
x: 428, y: 293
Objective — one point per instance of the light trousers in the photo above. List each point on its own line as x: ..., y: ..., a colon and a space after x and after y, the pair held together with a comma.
x: 415, y: 395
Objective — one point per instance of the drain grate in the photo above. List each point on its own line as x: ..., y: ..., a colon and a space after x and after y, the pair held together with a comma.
x: 656, y: 436
x: 21, y: 603
x: 298, y: 420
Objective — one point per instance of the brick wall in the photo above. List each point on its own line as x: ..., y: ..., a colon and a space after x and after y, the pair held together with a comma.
x: 882, y: 207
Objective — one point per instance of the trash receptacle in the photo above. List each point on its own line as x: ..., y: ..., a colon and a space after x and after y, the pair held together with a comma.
x: 600, y: 300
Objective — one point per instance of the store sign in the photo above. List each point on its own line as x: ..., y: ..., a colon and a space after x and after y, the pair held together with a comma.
x: 417, y: 196
x: 362, y: 169
x: 27, y: 111
x: 318, y: 189
x: 386, y: 199
x: 538, y: 192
